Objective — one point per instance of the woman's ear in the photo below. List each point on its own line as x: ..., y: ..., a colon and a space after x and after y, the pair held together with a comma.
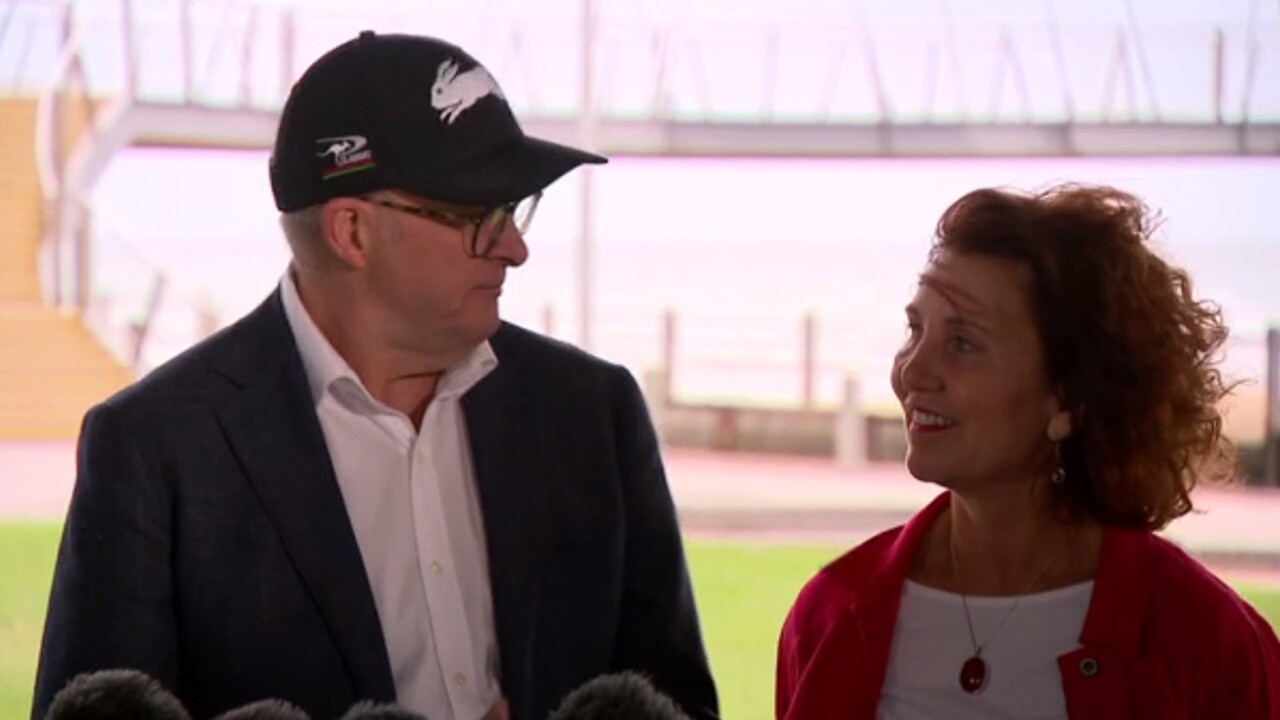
x: 1059, y: 426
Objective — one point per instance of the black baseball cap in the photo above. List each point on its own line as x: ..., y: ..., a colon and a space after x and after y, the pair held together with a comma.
x: 408, y: 112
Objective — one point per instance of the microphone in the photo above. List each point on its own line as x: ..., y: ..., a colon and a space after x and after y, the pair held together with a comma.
x: 369, y: 710
x: 620, y: 696
x: 270, y: 709
x: 118, y: 694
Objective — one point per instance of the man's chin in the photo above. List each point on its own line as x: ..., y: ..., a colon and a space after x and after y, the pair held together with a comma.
x: 477, y: 332
x: 490, y: 327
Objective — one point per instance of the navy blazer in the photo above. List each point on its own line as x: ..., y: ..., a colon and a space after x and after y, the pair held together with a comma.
x: 207, y: 543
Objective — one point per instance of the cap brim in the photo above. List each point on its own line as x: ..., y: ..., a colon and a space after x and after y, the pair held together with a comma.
x: 513, y: 172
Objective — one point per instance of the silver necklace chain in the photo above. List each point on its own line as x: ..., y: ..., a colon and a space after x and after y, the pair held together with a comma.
x: 964, y: 597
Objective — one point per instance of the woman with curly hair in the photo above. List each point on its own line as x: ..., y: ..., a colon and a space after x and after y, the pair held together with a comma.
x: 1058, y: 379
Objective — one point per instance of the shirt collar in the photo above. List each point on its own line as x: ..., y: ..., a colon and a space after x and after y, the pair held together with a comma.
x: 325, y: 368
x: 460, y: 378
x: 323, y: 365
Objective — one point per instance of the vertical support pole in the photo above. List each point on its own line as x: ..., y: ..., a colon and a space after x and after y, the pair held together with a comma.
x: 286, y: 51
x: 248, y: 42
x: 53, y: 207
x: 83, y: 257
x: 1060, y: 61
x: 851, y: 427
x: 130, y: 51
x: 587, y: 138
x: 143, y: 324
x: 1271, y: 441
x: 1218, y: 64
x: 809, y: 358
x: 185, y: 50
x: 669, y: 328
x: 548, y: 320
x: 1251, y: 64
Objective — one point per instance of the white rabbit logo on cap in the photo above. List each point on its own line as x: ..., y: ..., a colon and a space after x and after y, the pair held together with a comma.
x: 452, y: 93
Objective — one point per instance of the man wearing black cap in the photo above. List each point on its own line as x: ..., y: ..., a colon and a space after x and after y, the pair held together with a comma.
x: 370, y: 488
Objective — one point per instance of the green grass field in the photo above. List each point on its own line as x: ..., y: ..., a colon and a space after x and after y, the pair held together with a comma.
x: 28, y: 552
x: 743, y: 589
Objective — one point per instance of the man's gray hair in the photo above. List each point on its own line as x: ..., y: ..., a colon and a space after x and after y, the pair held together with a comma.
x: 304, y: 230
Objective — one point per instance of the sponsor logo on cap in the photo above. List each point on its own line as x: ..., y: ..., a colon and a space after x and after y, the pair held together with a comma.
x: 347, y: 152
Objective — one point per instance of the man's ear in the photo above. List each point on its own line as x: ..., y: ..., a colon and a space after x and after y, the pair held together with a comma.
x: 347, y: 224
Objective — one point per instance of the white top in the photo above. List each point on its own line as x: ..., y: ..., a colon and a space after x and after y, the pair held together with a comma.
x: 931, y: 643
x: 412, y: 500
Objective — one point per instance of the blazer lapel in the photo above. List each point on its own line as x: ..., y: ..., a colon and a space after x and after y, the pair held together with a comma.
x: 502, y: 426
x: 272, y: 427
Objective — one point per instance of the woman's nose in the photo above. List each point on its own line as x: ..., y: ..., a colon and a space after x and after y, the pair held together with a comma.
x: 915, y: 368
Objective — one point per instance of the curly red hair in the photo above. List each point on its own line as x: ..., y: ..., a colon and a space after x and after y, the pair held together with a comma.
x: 1133, y: 353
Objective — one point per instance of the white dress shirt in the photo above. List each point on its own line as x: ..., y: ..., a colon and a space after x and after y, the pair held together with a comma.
x: 413, y: 503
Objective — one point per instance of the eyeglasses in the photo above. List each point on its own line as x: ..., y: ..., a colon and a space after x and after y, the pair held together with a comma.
x: 480, y: 232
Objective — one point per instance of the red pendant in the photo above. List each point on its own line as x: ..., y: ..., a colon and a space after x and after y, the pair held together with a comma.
x: 973, y: 675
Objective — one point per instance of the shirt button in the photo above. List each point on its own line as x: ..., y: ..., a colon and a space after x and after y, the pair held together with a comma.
x: 1088, y: 667
x: 459, y: 679
x: 436, y: 567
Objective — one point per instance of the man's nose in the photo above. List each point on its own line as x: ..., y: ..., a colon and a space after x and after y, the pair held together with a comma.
x: 510, y: 247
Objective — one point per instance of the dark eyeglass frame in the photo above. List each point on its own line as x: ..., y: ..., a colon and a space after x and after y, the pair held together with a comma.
x: 485, y: 227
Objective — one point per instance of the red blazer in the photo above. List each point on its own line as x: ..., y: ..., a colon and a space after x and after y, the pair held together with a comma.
x: 1163, y: 638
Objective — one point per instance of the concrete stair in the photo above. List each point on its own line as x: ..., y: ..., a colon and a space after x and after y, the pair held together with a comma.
x: 51, y: 371
x: 52, y: 368
x: 19, y: 201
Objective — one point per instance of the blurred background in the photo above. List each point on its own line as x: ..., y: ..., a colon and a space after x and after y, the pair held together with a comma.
x: 777, y: 169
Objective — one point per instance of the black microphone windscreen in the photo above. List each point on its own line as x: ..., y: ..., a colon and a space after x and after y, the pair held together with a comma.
x: 369, y: 710
x: 270, y: 709
x: 620, y: 696
x: 115, y: 695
